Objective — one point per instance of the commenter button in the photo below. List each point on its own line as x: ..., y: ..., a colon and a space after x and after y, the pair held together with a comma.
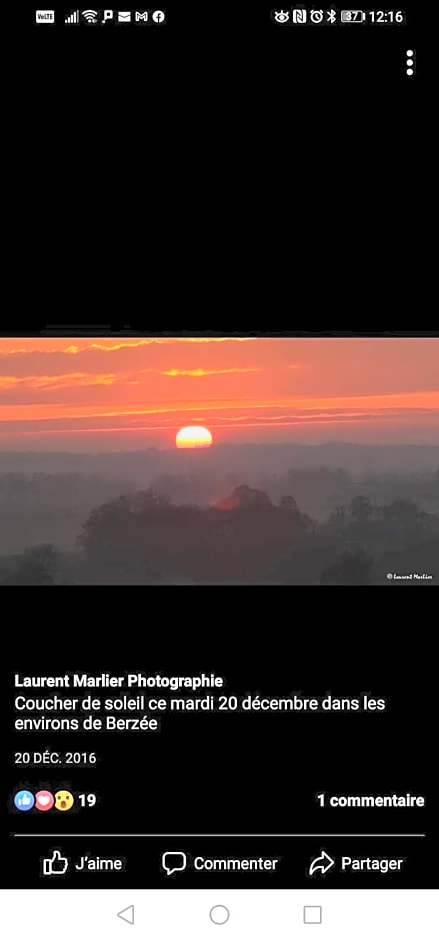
x: 235, y: 864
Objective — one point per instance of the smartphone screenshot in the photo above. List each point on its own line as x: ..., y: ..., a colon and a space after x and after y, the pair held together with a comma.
x: 218, y: 555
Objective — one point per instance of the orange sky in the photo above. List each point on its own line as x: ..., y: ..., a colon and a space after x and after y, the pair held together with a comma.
x: 124, y: 394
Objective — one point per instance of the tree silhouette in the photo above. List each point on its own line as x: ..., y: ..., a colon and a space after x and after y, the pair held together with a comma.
x: 338, y: 517
x: 361, y: 510
x: 143, y: 536
x: 288, y: 504
x: 243, y: 498
x: 352, y: 567
x: 405, y: 520
x: 130, y: 536
x: 247, y: 538
x: 37, y: 565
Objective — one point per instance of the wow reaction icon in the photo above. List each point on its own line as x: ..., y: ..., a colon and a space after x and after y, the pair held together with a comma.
x: 64, y: 800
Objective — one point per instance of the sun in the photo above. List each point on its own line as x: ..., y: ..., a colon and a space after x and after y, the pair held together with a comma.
x: 193, y: 437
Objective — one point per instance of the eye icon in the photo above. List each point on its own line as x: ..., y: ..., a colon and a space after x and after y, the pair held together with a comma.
x: 281, y: 16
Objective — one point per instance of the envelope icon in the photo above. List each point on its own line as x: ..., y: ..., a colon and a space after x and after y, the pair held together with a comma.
x: 124, y: 17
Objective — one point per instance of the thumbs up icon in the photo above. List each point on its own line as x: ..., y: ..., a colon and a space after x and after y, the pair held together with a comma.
x: 57, y: 865
x: 24, y: 800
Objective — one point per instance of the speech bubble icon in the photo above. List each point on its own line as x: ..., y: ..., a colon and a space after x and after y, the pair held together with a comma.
x: 173, y: 862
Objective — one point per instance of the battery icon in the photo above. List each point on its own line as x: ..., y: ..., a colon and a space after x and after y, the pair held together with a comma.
x: 352, y: 16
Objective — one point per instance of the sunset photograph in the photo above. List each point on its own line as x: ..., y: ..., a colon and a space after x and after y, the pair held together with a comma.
x: 198, y: 460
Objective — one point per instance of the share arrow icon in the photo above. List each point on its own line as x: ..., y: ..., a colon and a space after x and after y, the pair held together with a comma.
x: 322, y: 863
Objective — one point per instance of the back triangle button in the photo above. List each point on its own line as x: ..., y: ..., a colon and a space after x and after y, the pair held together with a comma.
x: 127, y: 914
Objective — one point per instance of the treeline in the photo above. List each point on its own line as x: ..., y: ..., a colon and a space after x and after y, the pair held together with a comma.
x: 246, y: 538
x: 316, y: 489
x: 49, y: 507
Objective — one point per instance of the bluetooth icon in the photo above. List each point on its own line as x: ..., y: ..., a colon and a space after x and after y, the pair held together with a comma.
x: 331, y: 16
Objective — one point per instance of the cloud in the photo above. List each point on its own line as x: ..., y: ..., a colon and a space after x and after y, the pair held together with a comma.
x: 173, y: 425
x: 42, y: 346
x: 201, y: 372
x: 360, y: 403
x: 420, y: 409
x: 110, y: 346
x: 67, y: 380
x: 13, y: 352
x: 88, y: 379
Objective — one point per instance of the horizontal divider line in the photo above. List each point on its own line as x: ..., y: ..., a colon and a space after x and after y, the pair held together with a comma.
x: 219, y: 835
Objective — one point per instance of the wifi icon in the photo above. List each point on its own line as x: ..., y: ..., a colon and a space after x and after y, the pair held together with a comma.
x: 90, y: 15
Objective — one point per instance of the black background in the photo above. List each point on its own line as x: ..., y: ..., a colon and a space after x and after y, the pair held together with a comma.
x: 230, y: 773
x: 218, y: 155
x: 235, y: 46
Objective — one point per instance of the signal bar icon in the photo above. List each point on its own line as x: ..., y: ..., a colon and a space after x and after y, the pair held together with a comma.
x: 72, y: 18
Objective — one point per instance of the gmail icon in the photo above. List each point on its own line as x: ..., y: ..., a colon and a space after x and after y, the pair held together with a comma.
x: 141, y: 15
x: 123, y: 17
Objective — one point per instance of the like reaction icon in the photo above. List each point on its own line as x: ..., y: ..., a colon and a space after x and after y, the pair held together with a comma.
x: 57, y: 865
x: 24, y: 800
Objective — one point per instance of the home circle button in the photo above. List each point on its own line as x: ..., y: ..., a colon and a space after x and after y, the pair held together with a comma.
x: 219, y: 914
